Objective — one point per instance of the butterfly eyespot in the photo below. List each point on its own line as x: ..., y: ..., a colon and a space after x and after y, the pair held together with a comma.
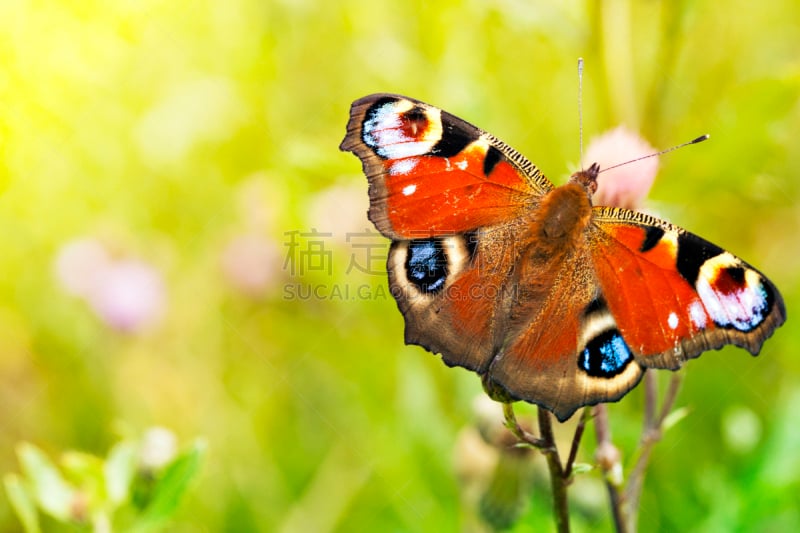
x: 415, y: 121
x: 734, y: 297
x: 426, y: 264
x: 605, y: 355
x: 395, y: 131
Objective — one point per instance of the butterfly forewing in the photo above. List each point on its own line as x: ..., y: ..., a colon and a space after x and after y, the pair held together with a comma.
x: 431, y: 173
x: 676, y: 295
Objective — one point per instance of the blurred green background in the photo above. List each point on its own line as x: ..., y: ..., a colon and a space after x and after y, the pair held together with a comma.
x: 198, y: 142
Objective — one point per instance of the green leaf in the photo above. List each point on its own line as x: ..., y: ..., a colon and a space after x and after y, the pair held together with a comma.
x: 674, y: 417
x: 81, y: 467
x: 50, y: 491
x: 581, y: 468
x: 507, y: 493
x: 119, y: 469
x: 22, y: 503
x: 171, y: 485
x: 85, y: 472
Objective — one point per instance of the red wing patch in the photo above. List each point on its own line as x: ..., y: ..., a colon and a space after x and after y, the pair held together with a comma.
x: 430, y: 195
x: 675, y: 295
x: 653, y: 305
x: 432, y: 174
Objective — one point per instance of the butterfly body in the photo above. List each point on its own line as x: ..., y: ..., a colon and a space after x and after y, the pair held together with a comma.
x: 551, y: 299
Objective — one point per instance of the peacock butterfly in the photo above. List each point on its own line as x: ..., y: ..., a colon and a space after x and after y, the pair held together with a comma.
x: 550, y: 299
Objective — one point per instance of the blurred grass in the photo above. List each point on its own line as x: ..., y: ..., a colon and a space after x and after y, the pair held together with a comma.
x: 167, y: 129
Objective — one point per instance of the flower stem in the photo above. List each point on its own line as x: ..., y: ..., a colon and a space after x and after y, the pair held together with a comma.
x: 608, y: 458
x: 558, y: 482
x: 546, y: 443
x: 576, y: 441
x: 650, y: 436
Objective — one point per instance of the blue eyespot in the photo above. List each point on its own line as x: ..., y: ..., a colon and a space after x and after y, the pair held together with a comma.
x: 605, y: 355
x: 426, y: 264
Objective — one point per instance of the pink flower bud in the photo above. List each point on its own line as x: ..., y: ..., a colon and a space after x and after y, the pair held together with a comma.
x: 128, y: 296
x: 339, y: 210
x: 251, y: 263
x: 79, y: 264
x: 628, y: 185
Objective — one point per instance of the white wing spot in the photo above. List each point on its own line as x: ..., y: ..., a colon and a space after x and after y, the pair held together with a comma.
x: 697, y: 314
x: 403, y: 166
x: 672, y: 320
x: 462, y: 164
x: 408, y: 190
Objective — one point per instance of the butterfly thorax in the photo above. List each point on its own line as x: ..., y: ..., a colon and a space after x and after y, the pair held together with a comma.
x: 561, y: 219
x: 556, y: 232
x: 564, y: 213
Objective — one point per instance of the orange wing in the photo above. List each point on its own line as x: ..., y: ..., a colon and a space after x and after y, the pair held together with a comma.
x: 431, y: 173
x: 633, y: 292
x: 675, y: 295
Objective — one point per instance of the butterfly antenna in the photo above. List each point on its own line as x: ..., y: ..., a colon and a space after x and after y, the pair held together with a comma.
x: 580, y: 110
x: 662, y: 152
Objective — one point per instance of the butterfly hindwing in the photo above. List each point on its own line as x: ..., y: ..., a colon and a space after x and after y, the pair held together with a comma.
x: 564, y: 348
x: 449, y: 290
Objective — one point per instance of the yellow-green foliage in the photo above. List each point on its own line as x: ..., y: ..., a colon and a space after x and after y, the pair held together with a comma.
x: 194, y: 137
